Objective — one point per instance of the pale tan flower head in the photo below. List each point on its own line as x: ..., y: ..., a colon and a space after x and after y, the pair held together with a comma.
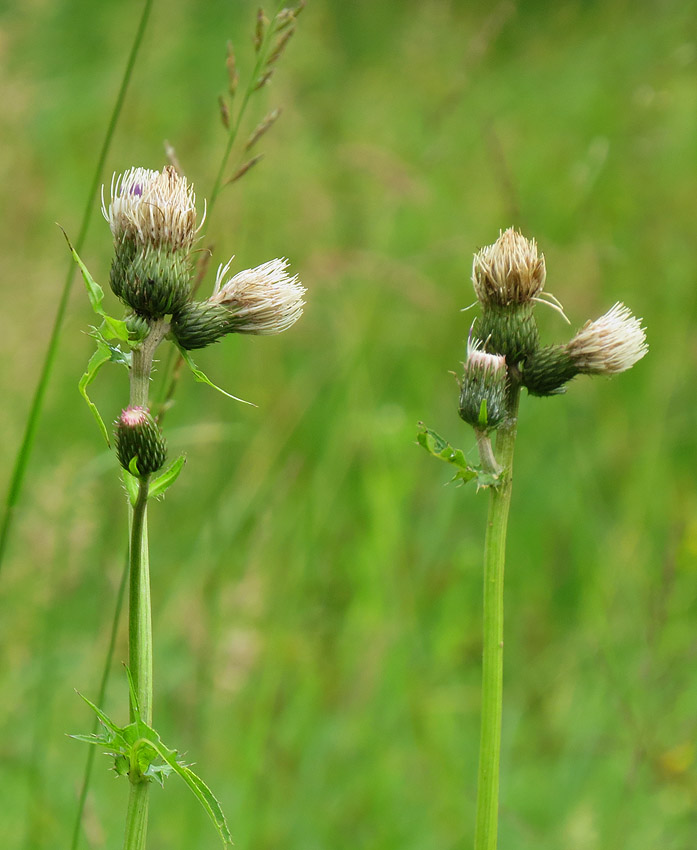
x: 152, y: 208
x: 510, y: 271
x: 613, y: 343
x: 263, y: 300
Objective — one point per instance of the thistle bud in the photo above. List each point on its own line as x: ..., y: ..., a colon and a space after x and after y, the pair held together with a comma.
x: 483, y: 388
x: 152, y: 216
x: 139, y: 438
x: 547, y: 370
x: 200, y: 323
x: 611, y: 344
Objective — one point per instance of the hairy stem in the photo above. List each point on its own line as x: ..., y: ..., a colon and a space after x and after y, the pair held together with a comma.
x: 486, y: 827
x: 141, y: 363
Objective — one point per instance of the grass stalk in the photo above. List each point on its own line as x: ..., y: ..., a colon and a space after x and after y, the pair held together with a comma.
x: 101, y: 696
x: 486, y: 827
x: 24, y: 453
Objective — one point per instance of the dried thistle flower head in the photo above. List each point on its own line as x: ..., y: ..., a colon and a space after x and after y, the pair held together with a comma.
x: 263, y: 300
x: 483, y: 387
x: 152, y: 208
x: 508, y: 272
x: 611, y: 344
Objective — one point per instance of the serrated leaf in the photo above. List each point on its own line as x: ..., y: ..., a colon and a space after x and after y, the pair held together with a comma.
x: 164, y: 481
x: 441, y: 448
x: 204, y: 379
x: 116, y: 327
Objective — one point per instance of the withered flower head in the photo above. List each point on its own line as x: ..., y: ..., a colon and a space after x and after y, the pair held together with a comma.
x: 510, y: 271
x: 152, y: 208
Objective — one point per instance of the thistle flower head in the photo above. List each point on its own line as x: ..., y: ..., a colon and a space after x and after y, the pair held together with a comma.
x: 263, y: 300
x: 152, y: 208
x: 611, y: 344
x: 508, y: 272
x: 483, y: 387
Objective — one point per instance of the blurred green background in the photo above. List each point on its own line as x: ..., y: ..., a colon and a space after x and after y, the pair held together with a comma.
x: 316, y: 586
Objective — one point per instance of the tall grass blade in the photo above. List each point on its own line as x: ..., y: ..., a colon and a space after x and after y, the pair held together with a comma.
x: 22, y: 460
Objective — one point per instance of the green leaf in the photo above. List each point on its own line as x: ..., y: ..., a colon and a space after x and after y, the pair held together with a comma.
x: 200, y: 790
x: 440, y: 448
x: 101, y: 356
x: 104, y: 720
x: 116, y: 328
x: 483, y: 418
x: 203, y: 379
x: 132, y: 486
x: 164, y: 481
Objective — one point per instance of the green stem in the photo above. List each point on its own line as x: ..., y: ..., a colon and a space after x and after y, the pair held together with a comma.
x: 486, y: 827
x: 139, y: 608
x: 137, y: 817
x: 22, y: 459
x: 139, y: 660
x: 139, y: 617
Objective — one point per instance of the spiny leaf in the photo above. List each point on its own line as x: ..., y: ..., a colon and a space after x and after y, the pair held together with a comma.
x: 440, y: 448
x: 137, y: 745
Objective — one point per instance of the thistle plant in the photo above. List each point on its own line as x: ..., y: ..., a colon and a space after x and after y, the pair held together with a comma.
x: 503, y: 357
x: 154, y: 223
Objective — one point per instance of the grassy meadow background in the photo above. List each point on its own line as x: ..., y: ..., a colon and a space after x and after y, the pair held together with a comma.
x: 316, y: 585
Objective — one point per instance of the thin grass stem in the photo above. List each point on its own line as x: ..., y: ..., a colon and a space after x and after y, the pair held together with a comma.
x: 101, y: 696
x: 32, y: 424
